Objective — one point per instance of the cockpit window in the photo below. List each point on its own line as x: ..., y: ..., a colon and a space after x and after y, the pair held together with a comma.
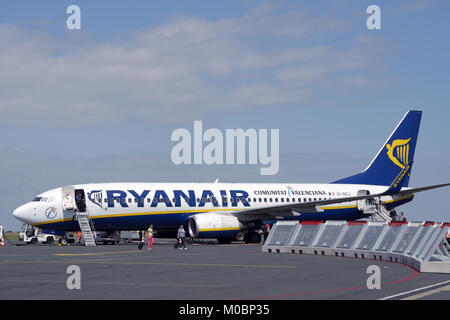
x: 44, y: 199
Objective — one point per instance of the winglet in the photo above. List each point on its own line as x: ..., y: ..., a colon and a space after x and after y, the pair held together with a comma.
x: 398, y: 182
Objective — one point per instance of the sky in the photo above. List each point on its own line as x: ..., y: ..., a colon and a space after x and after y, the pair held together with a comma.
x: 99, y: 104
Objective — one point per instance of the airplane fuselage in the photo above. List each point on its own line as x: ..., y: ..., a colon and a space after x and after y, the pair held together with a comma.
x: 134, y: 206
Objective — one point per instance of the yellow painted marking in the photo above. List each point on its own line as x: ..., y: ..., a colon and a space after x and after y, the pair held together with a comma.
x: 143, y: 214
x: 341, y: 207
x: 218, y: 229
x: 151, y: 263
x: 399, y: 199
x: 93, y: 253
x: 194, y: 211
x: 427, y: 293
x: 348, y: 207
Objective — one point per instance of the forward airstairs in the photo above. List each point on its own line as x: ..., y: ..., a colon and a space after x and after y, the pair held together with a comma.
x: 74, y: 203
x: 86, y: 229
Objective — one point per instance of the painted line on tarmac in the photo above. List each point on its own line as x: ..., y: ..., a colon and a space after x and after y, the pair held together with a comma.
x: 443, y: 287
x: 131, y: 284
x: 427, y: 293
x: 281, y: 296
x: 152, y: 263
x: 94, y: 253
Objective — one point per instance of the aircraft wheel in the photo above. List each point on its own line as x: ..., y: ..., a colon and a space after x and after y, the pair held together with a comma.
x: 253, y: 237
x: 240, y: 236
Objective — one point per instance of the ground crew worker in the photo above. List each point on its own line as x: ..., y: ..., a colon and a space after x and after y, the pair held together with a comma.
x: 2, y: 241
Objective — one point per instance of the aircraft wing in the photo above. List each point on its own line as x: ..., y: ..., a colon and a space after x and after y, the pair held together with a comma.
x: 290, y: 209
x: 414, y: 190
x: 294, y: 209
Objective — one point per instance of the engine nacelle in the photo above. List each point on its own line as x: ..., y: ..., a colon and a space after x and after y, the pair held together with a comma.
x: 214, y: 225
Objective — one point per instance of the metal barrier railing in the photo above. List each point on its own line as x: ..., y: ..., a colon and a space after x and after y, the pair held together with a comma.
x: 421, y: 245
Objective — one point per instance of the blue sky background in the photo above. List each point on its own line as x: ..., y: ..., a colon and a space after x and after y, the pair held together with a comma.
x: 100, y: 103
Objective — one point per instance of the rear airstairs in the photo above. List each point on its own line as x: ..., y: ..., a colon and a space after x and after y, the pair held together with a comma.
x: 381, y: 213
x: 376, y: 210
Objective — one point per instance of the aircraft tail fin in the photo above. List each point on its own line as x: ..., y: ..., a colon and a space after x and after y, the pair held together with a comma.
x: 395, y: 154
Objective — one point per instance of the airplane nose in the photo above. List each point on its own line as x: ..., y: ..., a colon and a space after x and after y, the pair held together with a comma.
x: 19, y: 213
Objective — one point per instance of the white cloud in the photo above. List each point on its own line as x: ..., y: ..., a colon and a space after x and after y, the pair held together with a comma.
x: 177, y: 71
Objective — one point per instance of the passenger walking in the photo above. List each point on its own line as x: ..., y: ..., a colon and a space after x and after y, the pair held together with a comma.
x: 181, y: 236
x: 150, y: 237
x: 141, y: 239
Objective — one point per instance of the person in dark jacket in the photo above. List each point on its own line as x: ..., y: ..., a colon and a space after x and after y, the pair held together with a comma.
x: 181, y: 236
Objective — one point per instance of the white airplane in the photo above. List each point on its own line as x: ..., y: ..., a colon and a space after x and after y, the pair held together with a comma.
x: 229, y: 211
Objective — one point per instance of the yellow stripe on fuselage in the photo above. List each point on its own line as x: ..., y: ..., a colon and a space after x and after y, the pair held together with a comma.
x: 218, y: 229
x: 199, y: 211
x: 399, y: 199
x: 141, y: 214
x: 354, y: 206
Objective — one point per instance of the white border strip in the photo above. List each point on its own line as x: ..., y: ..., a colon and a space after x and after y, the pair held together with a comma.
x: 415, y: 290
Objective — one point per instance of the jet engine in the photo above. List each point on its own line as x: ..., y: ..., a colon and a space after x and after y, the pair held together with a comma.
x: 224, y: 227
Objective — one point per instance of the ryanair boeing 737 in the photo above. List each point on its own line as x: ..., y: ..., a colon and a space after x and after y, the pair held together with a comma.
x: 229, y: 211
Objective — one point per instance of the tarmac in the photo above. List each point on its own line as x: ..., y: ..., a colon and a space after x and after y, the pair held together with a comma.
x: 205, y: 271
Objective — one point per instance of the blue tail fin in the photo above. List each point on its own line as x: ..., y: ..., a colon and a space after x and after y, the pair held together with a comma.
x: 396, y: 153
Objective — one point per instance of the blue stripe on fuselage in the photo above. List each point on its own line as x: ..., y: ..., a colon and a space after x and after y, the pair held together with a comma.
x: 141, y: 221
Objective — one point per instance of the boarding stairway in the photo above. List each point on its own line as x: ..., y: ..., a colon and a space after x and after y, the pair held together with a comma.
x: 86, y: 229
x: 375, y: 209
x: 381, y: 213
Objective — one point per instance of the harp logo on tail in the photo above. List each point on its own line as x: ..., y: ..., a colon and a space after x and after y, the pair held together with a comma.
x: 398, y: 152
